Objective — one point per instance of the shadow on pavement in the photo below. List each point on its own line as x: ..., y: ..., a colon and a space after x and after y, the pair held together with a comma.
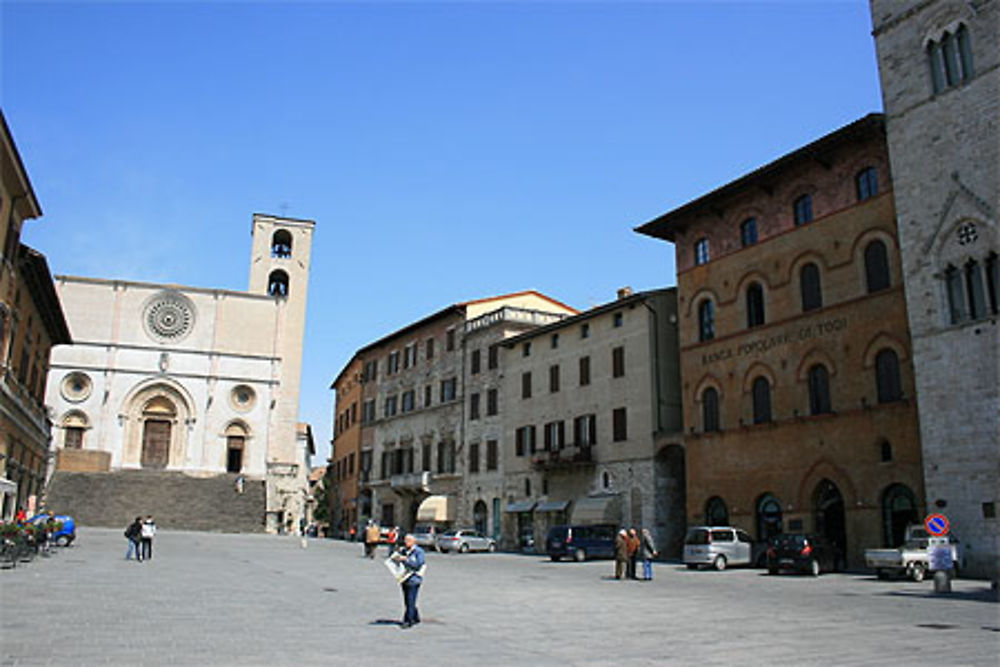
x: 982, y: 595
x: 386, y: 621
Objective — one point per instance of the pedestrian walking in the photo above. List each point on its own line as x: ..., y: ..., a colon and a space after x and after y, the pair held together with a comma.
x: 648, y: 552
x: 414, y: 560
x: 633, y: 552
x: 146, y: 537
x: 371, y: 538
x: 390, y: 541
x: 621, y: 553
x: 133, y: 533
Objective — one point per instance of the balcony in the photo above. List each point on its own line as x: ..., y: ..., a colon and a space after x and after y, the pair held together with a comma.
x: 571, y: 457
x: 412, y: 481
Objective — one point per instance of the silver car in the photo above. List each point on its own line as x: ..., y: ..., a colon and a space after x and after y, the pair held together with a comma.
x: 464, y: 541
x: 426, y: 535
x: 717, y: 546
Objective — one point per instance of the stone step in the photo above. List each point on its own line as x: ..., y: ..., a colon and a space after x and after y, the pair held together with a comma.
x: 176, y: 501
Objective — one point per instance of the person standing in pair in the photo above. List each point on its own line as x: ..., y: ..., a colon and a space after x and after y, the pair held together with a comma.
x: 133, y: 534
x: 415, y: 561
x: 146, y: 537
x: 648, y: 552
x: 371, y: 538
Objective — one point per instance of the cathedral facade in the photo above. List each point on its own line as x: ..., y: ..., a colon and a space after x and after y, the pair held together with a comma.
x: 195, y: 382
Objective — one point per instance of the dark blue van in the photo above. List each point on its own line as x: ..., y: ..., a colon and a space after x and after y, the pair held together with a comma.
x: 581, y: 542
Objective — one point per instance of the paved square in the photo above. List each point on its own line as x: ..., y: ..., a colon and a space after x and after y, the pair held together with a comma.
x: 255, y: 599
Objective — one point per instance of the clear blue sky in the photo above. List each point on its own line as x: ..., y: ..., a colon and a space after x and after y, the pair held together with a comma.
x: 447, y: 151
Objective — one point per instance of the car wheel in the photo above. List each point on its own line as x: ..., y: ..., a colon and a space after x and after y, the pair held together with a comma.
x: 719, y: 563
x: 464, y: 549
x: 814, y: 567
x: 492, y: 548
x: 917, y: 572
x: 63, y: 540
x: 579, y: 555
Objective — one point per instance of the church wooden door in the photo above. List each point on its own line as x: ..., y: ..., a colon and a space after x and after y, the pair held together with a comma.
x: 155, y: 443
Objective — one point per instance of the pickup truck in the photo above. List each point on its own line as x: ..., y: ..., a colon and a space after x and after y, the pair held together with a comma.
x: 911, y: 559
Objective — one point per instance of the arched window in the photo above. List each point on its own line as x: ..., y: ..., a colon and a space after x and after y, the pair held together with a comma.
x: 876, y: 267
x: 769, y: 517
x: 710, y: 410
x: 277, y: 284
x: 281, y: 244
x: 803, y: 209
x: 866, y: 182
x: 974, y: 289
x: 950, y: 59
x: 899, y: 510
x: 819, y: 390
x: 706, y: 320
x: 716, y: 512
x: 809, y: 285
x: 748, y: 232
x: 761, y: 400
x: 992, y: 282
x: 755, y: 305
x: 887, y: 376
x: 956, y: 294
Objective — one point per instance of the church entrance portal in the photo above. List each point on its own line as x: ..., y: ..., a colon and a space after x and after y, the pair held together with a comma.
x: 155, y: 443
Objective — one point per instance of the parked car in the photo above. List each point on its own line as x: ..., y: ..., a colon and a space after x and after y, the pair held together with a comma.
x: 581, y: 542
x: 800, y: 552
x: 464, y: 541
x: 912, y: 558
x: 65, y: 535
x: 426, y: 535
x: 717, y: 546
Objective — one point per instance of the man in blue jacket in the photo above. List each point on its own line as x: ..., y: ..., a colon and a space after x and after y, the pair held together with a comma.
x: 415, y: 561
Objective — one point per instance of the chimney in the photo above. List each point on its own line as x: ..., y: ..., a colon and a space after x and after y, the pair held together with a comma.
x: 624, y: 292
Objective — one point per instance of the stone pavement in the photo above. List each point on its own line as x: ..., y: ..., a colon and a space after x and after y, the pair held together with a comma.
x: 209, y: 599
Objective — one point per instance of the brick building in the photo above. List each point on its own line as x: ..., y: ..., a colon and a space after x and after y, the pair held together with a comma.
x: 795, y: 357
x: 939, y: 63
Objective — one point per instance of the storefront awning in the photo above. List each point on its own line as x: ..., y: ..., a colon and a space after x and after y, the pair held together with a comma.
x: 552, y: 506
x: 438, y: 509
x: 522, y: 506
x: 598, y: 509
x: 7, y: 486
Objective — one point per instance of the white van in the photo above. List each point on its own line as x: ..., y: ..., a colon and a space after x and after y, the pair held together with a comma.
x: 717, y: 546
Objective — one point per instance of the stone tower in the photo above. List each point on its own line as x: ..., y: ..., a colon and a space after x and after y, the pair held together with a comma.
x: 279, y: 267
x: 939, y: 63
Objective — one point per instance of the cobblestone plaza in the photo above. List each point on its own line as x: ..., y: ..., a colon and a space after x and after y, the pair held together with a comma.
x: 256, y: 599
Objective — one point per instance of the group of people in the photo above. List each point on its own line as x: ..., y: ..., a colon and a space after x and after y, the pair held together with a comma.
x: 373, y: 535
x: 631, y: 546
x: 139, y: 535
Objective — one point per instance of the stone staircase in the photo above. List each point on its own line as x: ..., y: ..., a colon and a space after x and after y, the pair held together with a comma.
x: 176, y: 500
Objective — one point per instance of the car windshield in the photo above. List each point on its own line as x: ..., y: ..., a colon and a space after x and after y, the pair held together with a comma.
x: 697, y: 536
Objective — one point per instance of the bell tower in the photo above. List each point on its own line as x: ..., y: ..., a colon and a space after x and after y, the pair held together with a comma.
x: 279, y: 269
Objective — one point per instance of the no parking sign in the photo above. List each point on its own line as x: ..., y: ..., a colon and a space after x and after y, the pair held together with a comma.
x: 937, y: 524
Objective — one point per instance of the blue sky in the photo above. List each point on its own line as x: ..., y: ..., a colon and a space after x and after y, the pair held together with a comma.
x: 447, y: 151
